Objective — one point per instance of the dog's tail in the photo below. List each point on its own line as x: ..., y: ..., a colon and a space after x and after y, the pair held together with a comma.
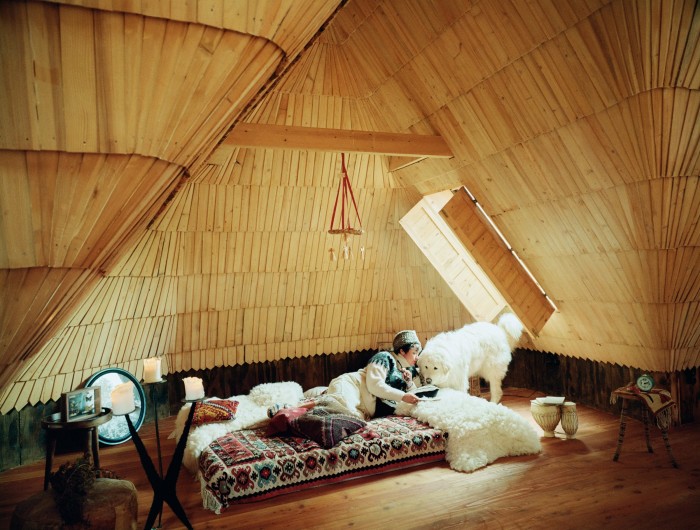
x: 512, y: 327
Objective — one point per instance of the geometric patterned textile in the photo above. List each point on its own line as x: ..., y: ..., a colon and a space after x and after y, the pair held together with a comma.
x: 325, y: 427
x: 213, y: 411
x: 244, y: 466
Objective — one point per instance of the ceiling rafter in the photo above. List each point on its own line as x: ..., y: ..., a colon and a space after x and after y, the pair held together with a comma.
x: 322, y: 139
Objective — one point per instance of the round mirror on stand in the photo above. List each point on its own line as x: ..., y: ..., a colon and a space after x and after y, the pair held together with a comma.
x: 116, y: 431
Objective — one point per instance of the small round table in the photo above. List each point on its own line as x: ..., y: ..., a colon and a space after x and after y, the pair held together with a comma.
x: 54, y: 425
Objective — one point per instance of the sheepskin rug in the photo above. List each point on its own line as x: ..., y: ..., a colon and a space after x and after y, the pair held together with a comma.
x: 479, y: 431
x: 251, y: 413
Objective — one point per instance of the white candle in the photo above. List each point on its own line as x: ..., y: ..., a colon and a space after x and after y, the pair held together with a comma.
x: 151, y: 370
x: 123, y: 398
x: 194, y: 389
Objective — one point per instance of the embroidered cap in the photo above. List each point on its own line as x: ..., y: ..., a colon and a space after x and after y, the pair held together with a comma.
x: 402, y: 338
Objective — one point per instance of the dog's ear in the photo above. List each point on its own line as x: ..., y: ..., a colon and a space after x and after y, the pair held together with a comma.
x: 422, y: 359
x: 441, y: 361
x: 425, y: 361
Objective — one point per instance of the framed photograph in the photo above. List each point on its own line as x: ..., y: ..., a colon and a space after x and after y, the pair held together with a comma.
x: 81, y: 404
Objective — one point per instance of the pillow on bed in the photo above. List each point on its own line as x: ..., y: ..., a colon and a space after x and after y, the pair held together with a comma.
x: 280, y: 421
x: 324, y: 426
x: 267, y: 394
x: 213, y: 411
x: 315, y: 391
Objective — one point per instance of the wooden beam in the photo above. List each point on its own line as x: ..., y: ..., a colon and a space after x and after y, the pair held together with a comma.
x: 341, y: 140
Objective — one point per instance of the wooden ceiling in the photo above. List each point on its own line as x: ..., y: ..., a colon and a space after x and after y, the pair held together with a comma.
x: 168, y: 172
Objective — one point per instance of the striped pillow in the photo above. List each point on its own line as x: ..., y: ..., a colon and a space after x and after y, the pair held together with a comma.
x: 213, y: 411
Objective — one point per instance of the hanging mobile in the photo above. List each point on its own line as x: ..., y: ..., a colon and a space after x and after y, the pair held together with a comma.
x: 344, y: 195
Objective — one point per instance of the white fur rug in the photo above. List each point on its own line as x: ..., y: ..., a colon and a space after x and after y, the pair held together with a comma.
x: 251, y: 412
x: 479, y: 431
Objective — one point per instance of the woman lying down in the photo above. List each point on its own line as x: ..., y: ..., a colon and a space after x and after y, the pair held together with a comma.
x: 350, y: 399
x: 376, y: 390
x: 388, y: 378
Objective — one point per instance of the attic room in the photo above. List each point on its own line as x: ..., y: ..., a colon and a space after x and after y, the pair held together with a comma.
x: 173, y: 175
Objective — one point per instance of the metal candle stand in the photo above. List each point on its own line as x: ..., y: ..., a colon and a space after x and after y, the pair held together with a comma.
x: 164, y: 488
x: 152, y: 385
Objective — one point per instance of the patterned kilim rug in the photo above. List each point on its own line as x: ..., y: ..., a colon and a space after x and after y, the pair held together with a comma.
x: 657, y: 401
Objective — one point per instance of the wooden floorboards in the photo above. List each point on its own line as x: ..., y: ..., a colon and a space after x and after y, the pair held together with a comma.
x: 571, y: 484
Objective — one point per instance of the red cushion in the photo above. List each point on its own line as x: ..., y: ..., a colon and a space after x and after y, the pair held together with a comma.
x: 325, y: 426
x: 280, y: 421
x: 213, y: 411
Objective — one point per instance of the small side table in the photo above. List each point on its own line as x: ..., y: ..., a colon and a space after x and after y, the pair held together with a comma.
x: 53, y: 426
x: 628, y: 396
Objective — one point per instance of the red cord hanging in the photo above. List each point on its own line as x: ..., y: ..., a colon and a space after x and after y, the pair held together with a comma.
x: 344, y: 195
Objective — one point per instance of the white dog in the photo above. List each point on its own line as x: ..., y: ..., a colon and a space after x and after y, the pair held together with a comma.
x: 449, y: 359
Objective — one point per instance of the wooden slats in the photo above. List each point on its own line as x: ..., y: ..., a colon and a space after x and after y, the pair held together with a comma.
x: 290, y: 23
x: 574, y: 123
x: 35, y: 297
x: 95, y: 208
x: 457, y: 267
x: 125, y: 83
x: 61, y: 205
x: 258, y: 284
x: 514, y: 284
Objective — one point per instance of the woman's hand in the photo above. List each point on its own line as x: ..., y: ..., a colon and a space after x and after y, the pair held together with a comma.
x: 410, y: 398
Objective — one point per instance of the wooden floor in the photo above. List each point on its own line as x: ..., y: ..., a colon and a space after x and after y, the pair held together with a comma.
x: 571, y: 484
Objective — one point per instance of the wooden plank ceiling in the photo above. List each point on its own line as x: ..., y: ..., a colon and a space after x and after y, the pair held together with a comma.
x: 139, y: 217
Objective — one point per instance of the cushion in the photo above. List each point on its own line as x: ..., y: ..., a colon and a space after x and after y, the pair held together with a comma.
x: 213, y: 411
x: 267, y: 394
x: 280, y: 421
x: 315, y: 391
x: 324, y: 426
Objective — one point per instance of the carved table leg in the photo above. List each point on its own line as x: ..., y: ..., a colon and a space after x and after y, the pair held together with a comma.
x: 667, y: 443
x: 621, y: 435
x: 645, y: 418
x: 50, y: 450
x: 95, y: 448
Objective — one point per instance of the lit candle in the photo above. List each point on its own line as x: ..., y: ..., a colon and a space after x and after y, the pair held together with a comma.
x: 194, y: 389
x: 151, y: 370
x: 123, y: 398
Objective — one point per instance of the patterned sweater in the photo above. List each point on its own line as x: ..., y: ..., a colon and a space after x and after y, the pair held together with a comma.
x: 388, y: 376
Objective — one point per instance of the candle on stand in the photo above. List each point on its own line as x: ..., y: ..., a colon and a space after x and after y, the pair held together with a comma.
x: 123, y: 398
x: 151, y: 370
x: 194, y: 389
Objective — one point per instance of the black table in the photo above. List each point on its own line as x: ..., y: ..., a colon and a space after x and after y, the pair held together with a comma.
x: 54, y: 426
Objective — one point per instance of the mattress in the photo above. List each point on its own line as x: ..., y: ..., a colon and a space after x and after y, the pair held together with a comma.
x: 246, y: 465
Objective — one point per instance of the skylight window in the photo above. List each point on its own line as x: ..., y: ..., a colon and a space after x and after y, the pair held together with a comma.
x: 471, y: 254
x: 509, y: 247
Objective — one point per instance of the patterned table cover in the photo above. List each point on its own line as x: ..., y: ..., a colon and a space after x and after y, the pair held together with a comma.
x: 247, y: 465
